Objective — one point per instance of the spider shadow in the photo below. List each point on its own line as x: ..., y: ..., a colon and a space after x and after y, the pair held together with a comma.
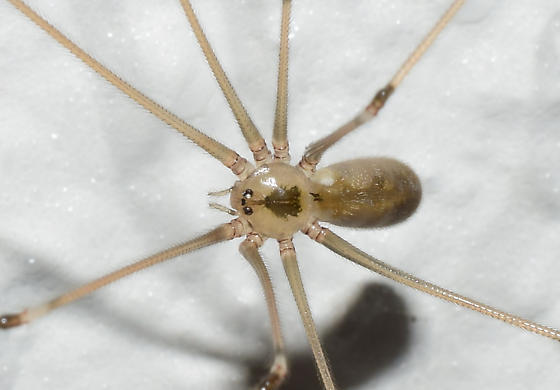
x: 369, y: 337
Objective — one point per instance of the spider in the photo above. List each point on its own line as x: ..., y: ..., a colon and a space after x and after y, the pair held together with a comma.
x: 419, y: 257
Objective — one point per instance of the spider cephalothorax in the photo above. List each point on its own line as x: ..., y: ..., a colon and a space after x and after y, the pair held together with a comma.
x: 275, y: 199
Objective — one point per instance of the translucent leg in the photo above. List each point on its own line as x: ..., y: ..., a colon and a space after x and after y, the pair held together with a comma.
x: 223, y: 232
x: 345, y: 249
x: 250, y: 132
x: 314, y: 151
x: 279, y: 368
x: 226, y: 156
x: 280, y: 133
x: 288, y: 254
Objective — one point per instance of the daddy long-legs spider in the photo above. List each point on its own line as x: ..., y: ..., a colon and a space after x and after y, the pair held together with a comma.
x: 83, y: 192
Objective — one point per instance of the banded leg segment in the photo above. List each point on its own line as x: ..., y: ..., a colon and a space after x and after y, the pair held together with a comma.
x: 249, y: 130
x: 224, y: 232
x: 279, y: 369
x: 288, y: 254
x: 314, y: 152
x: 226, y: 156
x: 280, y: 132
x: 345, y: 249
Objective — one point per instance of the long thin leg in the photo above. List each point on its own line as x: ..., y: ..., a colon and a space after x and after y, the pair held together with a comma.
x: 279, y: 369
x: 249, y: 130
x: 226, y: 156
x: 314, y: 151
x: 345, y: 249
x: 223, y: 232
x: 288, y: 254
x: 280, y: 133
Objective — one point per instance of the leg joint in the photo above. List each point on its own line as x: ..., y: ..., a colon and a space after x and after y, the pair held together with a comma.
x: 315, y: 231
x: 286, y: 246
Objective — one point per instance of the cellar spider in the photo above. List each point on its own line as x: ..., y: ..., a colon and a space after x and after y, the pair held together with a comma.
x: 479, y: 98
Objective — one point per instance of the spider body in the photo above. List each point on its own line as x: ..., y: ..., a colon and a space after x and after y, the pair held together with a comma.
x: 278, y: 200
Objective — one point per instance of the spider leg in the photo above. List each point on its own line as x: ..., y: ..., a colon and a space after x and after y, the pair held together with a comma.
x: 314, y: 152
x: 288, y: 254
x: 280, y: 132
x: 225, y: 155
x: 279, y: 368
x: 226, y: 231
x: 345, y: 249
x: 256, y: 142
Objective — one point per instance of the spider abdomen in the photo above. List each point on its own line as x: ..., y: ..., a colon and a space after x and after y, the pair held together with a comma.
x: 367, y: 192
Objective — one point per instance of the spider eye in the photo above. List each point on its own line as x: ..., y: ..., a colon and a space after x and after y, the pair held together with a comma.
x: 248, y: 193
x: 243, y: 202
x: 248, y: 210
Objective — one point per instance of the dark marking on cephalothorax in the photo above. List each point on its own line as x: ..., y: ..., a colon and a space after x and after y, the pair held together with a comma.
x: 284, y: 202
x: 316, y: 197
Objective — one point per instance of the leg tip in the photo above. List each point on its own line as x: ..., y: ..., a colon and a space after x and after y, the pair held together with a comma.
x: 272, y: 382
x: 10, y: 321
x: 277, y: 375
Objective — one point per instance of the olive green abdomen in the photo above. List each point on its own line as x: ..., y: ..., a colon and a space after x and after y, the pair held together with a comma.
x: 368, y: 192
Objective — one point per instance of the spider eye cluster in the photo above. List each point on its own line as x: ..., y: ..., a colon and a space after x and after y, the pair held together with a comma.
x: 247, y: 194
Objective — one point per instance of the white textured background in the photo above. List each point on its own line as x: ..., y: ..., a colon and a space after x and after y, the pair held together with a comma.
x: 90, y: 182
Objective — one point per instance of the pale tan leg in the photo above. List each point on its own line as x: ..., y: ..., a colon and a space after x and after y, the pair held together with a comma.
x: 288, y: 254
x: 279, y: 369
x: 280, y: 133
x: 226, y: 156
x: 249, y: 130
x: 223, y: 232
x: 314, y: 151
x: 345, y: 249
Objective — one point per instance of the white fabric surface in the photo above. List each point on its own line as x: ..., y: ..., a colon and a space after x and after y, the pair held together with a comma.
x: 90, y: 182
